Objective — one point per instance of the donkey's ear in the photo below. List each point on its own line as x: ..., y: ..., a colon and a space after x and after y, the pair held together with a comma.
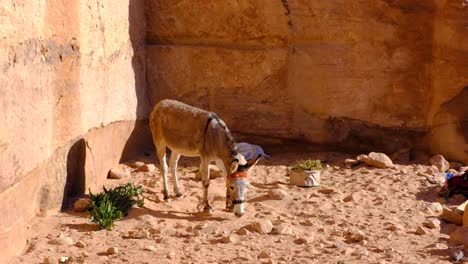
x: 234, y: 166
x: 251, y: 163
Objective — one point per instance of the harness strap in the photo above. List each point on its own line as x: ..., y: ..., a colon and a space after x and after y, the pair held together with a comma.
x: 238, y: 201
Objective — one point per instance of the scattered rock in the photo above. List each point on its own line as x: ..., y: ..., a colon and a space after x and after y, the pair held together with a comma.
x: 150, y: 248
x: 113, y: 250
x: 303, y: 240
x: 394, y: 227
x: 432, y: 224
x: 147, y: 168
x: 277, y: 194
x: 230, y: 238
x: 82, y: 205
x: 63, y: 259
x: 326, y: 191
x: 460, y: 236
x: 440, y: 162
x: 263, y: 226
x: 357, y: 236
x: 80, y: 244
x: 118, y: 173
x: 351, y: 163
x: 435, y: 208
x: 243, y: 232
x: 378, y: 160
x: 353, y: 197
x: 452, y: 216
x: 307, y: 223
x: 135, y: 164
x: 421, y: 231
x: 362, y: 157
x: 61, y: 240
x: 139, y: 234
x: 283, y: 229
x: 263, y: 255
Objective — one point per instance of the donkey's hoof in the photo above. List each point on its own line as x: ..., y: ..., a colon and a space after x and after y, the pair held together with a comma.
x: 167, y: 199
x: 179, y: 195
x: 207, y: 209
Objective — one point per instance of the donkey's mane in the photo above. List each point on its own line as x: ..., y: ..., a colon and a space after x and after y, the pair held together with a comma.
x: 231, y: 140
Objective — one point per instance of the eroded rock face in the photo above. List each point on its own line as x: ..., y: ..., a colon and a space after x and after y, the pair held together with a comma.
x: 304, y: 70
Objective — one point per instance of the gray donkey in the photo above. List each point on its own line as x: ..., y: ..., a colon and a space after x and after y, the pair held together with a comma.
x: 194, y: 132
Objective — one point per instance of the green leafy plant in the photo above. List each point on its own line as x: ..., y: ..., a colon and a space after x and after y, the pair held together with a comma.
x: 307, y: 165
x: 112, y: 204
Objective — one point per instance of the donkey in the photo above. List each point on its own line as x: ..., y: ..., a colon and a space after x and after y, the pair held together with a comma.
x: 194, y: 132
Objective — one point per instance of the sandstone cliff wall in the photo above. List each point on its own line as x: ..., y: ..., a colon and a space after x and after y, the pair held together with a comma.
x: 72, y: 85
x: 358, y: 74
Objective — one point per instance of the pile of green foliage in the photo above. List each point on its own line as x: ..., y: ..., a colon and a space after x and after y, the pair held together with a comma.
x: 307, y: 165
x: 110, y: 205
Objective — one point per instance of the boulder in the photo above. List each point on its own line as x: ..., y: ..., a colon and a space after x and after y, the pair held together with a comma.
x: 118, y: 173
x: 82, y: 204
x: 377, y: 160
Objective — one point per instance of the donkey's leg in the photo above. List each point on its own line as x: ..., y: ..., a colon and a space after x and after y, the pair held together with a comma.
x: 161, y: 151
x: 220, y: 165
x: 205, y: 175
x: 173, y: 164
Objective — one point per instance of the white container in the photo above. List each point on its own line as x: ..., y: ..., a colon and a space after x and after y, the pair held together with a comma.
x: 303, y: 178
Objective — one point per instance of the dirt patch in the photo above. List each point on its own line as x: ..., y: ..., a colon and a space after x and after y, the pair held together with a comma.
x: 370, y: 216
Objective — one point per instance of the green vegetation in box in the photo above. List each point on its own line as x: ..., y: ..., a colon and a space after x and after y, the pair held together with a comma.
x: 110, y: 205
x: 307, y: 165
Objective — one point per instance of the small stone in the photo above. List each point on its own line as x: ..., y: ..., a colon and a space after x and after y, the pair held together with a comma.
x: 307, y: 223
x: 432, y: 224
x: 61, y: 240
x: 63, y: 259
x: 326, y: 191
x: 263, y: 255
x: 228, y: 238
x: 263, y: 226
x: 113, y: 250
x: 140, y: 234
x: 283, y: 229
x: 358, y: 236
x: 46, y: 260
x: 421, y: 231
x: 302, y: 240
x: 243, y: 232
x: 440, y: 162
x: 353, y: 197
x: 276, y: 194
x: 171, y: 255
x: 80, y: 244
x: 82, y: 205
x: 135, y: 164
x: 436, y: 208
x: 362, y: 157
x: 351, y: 162
x: 118, y: 173
x: 147, y: 168
x: 150, y: 248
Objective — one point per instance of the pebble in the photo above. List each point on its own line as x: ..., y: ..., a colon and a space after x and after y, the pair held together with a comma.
x: 421, y: 231
x: 436, y: 208
x: 80, y: 244
x: 432, y: 224
x: 440, y: 162
x: 283, y: 229
x: 263, y: 226
x: 276, y: 194
x: 326, y: 191
x: 150, y: 248
x: 113, y: 250
x: 302, y: 240
x: 357, y: 236
x: 458, y: 255
x: 264, y: 254
x: 228, y: 238
x: 63, y: 259
x: 353, y: 197
x: 61, y: 240
x: 118, y: 173
x: 82, y: 205
x: 141, y: 234
x: 243, y: 232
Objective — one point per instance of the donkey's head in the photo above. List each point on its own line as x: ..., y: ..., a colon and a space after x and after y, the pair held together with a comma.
x: 237, y: 184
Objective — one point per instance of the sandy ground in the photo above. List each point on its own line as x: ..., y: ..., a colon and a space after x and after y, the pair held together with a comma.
x: 376, y: 224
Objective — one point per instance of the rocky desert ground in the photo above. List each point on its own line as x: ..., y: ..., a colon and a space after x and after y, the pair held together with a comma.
x: 361, y: 214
